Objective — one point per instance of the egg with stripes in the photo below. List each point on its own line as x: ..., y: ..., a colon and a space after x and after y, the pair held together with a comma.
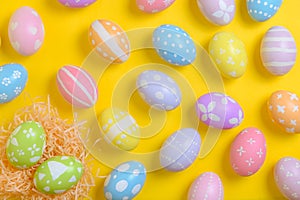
x: 263, y: 10
x: 109, y: 40
x: 76, y: 3
x: 278, y: 50
x: 154, y: 6
x: 77, y: 86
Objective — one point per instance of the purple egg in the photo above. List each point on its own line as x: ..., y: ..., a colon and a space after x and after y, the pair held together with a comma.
x: 219, y: 111
x: 76, y: 3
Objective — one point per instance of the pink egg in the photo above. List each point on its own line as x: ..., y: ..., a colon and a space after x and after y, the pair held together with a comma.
x: 154, y: 6
x: 26, y: 31
x: 248, y: 152
x: 207, y: 186
x: 77, y: 86
x: 76, y: 3
x: 287, y: 177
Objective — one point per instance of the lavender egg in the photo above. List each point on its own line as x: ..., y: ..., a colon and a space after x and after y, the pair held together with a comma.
x: 76, y: 3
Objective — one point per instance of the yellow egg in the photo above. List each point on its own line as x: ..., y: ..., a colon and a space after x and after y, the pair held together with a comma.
x: 229, y: 54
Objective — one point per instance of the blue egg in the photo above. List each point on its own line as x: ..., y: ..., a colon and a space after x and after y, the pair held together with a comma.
x: 13, y: 78
x: 125, y: 182
x: 262, y: 10
x: 174, y: 45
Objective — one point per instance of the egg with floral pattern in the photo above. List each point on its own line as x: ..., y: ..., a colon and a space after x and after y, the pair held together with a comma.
x: 153, y: 6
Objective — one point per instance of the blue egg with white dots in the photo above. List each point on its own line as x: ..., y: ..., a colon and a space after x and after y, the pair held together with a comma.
x: 262, y: 10
x: 174, y: 45
x: 125, y: 181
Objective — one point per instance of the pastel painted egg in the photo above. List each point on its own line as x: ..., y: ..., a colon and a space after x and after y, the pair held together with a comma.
x: 25, y: 145
x: 283, y: 108
x: 174, y: 45
x: 278, y: 50
x: 248, y: 152
x: 159, y: 90
x: 263, y: 10
x: 219, y: 12
x: 13, y: 78
x: 207, y: 186
x: 219, y: 111
x: 77, y: 86
x: 26, y: 31
x: 58, y: 174
x: 76, y: 3
x: 180, y: 150
x: 125, y: 181
x: 287, y: 177
x: 109, y: 40
x: 153, y: 6
x: 229, y: 54
x: 120, y: 128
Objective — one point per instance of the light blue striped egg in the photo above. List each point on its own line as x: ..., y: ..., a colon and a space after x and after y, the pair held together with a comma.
x: 262, y: 10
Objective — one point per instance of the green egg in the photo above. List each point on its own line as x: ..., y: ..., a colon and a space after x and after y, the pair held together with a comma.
x: 25, y: 145
x: 58, y: 174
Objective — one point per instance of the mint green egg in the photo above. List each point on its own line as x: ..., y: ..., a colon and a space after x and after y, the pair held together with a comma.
x: 25, y: 145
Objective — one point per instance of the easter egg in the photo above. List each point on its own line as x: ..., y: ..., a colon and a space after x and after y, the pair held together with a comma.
x: 125, y: 181
x: 219, y: 12
x: 263, y: 10
x: 26, y: 31
x: 207, y: 186
x: 174, y: 45
x: 120, y: 128
x: 153, y: 6
x: 159, y: 90
x: 287, y: 177
x: 58, y: 174
x: 278, y: 50
x: 76, y: 3
x: 180, y: 150
x: 77, y: 86
x: 109, y: 40
x: 248, y: 152
x: 26, y: 144
x: 229, y: 54
x: 283, y: 108
x: 219, y: 110
x: 13, y: 78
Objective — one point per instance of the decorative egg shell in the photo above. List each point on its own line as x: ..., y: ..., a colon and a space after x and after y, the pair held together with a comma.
x: 229, y: 54
x: 126, y: 181
x: 58, y: 174
x: 76, y: 3
x: 248, y: 152
x: 287, y: 177
x: 110, y: 40
x: 26, y: 31
x: 159, y: 90
x: 219, y: 111
x: 120, y: 128
x: 219, y: 12
x: 153, y: 6
x: 207, y: 186
x: 25, y: 145
x: 278, y: 50
x: 283, y: 108
x: 180, y: 150
x: 263, y: 10
x: 77, y: 86
x: 174, y: 45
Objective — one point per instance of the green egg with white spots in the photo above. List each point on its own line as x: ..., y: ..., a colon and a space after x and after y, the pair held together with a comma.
x: 58, y: 174
x: 25, y: 145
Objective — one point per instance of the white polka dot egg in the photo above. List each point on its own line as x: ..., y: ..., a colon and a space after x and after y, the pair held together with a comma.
x: 263, y: 10
x: 154, y: 6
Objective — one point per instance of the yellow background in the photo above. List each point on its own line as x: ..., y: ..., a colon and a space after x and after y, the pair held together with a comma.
x: 66, y: 42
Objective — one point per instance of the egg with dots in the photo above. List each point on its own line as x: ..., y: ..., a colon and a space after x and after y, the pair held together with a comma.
x: 77, y: 86
x: 26, y: 31
x: 109, y: 40
x: 263, y: 10
x: 125, y: 181
x: 278, y: 50
x: 287, y: 177
x: 283, y: 109
x: 174, y: 45
x: 180, y: 150
x: 154, y: 6
x: 207, y: 186
x: 248, y: 152
x: 120, y: 128
x: 76, y: 3
x: 229, y: 54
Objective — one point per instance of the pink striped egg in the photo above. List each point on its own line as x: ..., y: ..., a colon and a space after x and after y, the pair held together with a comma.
x: 278, y: 50
x: 77, y: 86
x: 153, y: 6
